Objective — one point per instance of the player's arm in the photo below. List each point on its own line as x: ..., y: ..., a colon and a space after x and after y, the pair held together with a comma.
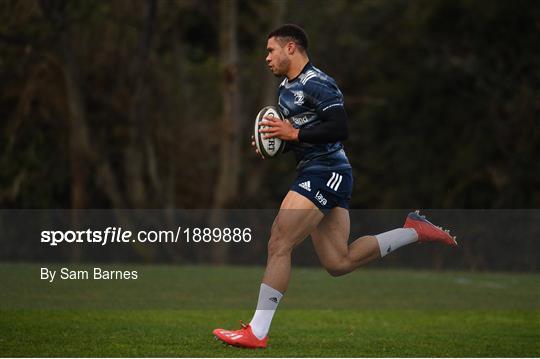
x: 333, y: 126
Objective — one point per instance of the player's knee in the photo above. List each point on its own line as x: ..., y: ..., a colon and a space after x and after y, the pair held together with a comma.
x: 337, y: 269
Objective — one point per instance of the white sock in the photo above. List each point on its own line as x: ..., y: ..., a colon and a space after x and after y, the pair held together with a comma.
x: 394, y: 239
x: 266, y: 307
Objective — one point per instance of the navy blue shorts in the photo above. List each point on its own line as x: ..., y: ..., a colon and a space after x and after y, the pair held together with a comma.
x: 326, y: 189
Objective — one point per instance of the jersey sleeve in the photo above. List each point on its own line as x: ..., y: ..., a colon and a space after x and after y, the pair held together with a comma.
x: 323, y: 94
x: 327, y: 101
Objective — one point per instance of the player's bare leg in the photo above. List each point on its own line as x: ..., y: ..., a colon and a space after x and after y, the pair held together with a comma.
x: 297, y: 218
x: 330, y: 241
x: 331, y: 236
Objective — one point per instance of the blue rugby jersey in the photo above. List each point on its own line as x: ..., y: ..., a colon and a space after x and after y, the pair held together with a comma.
x: 302, y: 100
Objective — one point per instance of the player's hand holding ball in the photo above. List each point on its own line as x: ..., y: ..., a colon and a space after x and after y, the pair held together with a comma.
x: 271, y: 131
x: 281, y: 129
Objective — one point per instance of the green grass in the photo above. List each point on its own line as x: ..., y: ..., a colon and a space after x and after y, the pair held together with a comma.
x: 170, y: 311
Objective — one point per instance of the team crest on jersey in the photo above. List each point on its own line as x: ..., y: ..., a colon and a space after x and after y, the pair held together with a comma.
x: 298, y: 98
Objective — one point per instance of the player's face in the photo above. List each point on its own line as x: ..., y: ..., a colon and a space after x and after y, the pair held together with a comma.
x: 277, y: 59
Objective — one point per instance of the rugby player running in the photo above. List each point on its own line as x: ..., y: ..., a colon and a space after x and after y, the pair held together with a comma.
x: 317, y: 203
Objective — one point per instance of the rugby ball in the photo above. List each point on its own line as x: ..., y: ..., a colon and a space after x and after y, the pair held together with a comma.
x: 269, y: 147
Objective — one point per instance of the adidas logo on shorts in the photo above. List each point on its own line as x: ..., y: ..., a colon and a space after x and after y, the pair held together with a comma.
x: 306, y: 185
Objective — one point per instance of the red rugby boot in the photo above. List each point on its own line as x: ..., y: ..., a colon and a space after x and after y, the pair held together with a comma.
x: 240, y: 338
x: 427, y: 231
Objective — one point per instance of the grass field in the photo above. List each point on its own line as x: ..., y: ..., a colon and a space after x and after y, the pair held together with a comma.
x: 170, y: 311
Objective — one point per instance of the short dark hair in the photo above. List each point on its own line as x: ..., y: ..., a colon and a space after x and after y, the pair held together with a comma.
x: 293, y: 33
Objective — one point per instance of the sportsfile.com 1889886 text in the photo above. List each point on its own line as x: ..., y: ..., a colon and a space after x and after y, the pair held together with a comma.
x: 119, y: 235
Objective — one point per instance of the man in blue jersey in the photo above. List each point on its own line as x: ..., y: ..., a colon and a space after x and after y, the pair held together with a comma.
x: 317, y: 203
